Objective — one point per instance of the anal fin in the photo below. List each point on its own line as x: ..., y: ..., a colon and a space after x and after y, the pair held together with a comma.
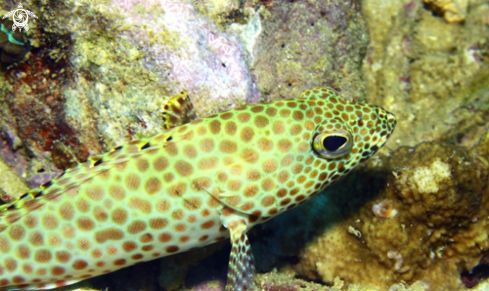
x: 241, y: 270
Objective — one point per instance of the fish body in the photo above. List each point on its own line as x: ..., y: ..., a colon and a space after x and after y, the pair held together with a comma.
x: 187, y: 187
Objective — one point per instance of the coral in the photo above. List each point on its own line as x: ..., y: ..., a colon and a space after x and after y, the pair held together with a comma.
x: 427, y: 71
x: 441, y: 228
x: 304, y: 48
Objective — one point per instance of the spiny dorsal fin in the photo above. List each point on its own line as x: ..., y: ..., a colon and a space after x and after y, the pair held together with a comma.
x: 179, y: 110
x: 74, y: 177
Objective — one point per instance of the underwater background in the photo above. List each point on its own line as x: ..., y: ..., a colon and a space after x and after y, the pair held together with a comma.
x: 90, y: 75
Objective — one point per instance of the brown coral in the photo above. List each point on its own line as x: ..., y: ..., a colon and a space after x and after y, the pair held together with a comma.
x: 441, y: 228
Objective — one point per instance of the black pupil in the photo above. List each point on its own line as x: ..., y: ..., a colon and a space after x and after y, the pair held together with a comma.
x: 334, y: 142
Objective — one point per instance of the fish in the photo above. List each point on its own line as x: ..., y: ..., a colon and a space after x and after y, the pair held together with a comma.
x: 197, y: 182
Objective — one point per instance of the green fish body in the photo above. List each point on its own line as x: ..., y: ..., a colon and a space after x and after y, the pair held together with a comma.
x: 187, y: 187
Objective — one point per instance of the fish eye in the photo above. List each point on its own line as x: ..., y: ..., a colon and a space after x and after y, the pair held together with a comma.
x: 332, y: 144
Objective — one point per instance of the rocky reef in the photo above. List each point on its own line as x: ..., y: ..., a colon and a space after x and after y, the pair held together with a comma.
x: 100, y: 71
x: 413, y: 217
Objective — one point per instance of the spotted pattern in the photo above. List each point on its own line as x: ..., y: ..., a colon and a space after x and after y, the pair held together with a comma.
x: 182, y: 189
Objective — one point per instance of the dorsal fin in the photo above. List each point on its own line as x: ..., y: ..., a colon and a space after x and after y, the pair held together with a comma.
x: 74, y: 177
x: 179, y: 110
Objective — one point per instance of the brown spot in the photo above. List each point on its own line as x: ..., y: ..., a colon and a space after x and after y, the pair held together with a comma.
x: 129, y: 246
x: 278, y: 127
x: 62, y: 256
x: 57, y: 271
x: 265, y: 144
x: 207, y: 163
x: 285, y: 202
x: 284, y: 145
x: 85, y: 224
x: 268, y: 184
x: 82, y: 205
x: 261, y: 121
x: 192, y: 203
x: 180, y: 227
x: 206, y: 145
x: 152, y: 186
x: 132, y: 181
x: 146, y: 238
x: 177, y: 190
x: 250, y: 156
x: 30, y: 221
x: 16, y: 232
x: 285, y: 113
x: 117, y: 192
x: 296, y: 129
x: 208, y: 224
x: 95, y: 192
x: 111, y: 250
x: 270, y: 165
x: 23, y: 251
x: 97, y: 254
x: 230, y: 128
x: 183, y: 168
x: 298, y: 116
x: 79, y: 265
x: 172, y: 249
x: 227, y: 146
x: 100, y: 264
x: 108, y: 234
x: 253, y: 175
x: 271, y: 111
x: 18, y: 280
x: 119, y: 215
x: 190, y: 151
x: 163, y: 206
x: 184, y: 239
x: 171, y: 149
x: 140, y: 204
x: 83, y: 244
x: 203, y: 238
x: 43, y: 256
x: 281, y: 193
x: 247, y: 206
x: 10, y: 264
x: 244, y: 117
x: 177, y: 214
x: 158, y: 223
x: 226, y: 115
x: 205, y: 213
x: 36, y: 238
x: 272, y: 211
x: 160, y: 163
x: 250, y: 190
x: 100, y: 214
x: 136, y: 226
x: 142, y: 164
x: 268, y: 201
x: 247, y: 134
x: 137, y: 257
x: 227, y: 211
x: 257, y: 108
x: 164, y: 237
x: 215, y: 126
x: 234, y: 185
x: 168, y: 177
